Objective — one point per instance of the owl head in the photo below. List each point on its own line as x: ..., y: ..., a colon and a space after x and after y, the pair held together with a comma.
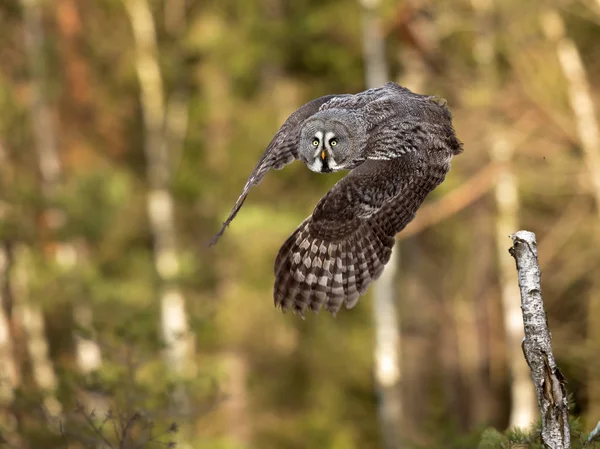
x: 332, y: 140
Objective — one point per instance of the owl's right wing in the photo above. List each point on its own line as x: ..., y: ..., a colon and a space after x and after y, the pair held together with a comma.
x: 335, y: 254
x: 281, y: 151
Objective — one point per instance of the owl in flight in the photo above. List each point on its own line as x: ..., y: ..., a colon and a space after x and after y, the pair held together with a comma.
x: 397, y: 146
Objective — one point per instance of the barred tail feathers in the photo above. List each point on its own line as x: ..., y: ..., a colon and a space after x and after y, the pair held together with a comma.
x: 311, y: 272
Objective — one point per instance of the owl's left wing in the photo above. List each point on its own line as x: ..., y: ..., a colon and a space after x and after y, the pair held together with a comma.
x: 281, y: 151
x: 334, y: 255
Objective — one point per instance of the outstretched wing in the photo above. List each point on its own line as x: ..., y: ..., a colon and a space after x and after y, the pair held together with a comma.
x: 281, y: 151
x: 333, y: 256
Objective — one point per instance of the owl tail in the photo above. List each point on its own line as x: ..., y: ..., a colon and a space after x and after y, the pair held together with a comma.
x: 311, y: 272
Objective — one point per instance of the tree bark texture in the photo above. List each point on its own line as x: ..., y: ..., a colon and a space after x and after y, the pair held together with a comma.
x: 537, y: 345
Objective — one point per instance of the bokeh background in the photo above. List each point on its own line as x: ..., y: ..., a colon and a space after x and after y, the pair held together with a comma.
x: 127, y: 130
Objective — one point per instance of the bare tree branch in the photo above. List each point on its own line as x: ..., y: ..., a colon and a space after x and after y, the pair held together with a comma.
x: 537, y: 345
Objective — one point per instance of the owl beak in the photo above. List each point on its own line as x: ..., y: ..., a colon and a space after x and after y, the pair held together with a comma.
x: 323, y: 155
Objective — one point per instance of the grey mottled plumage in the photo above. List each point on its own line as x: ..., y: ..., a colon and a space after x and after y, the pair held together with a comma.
x: 398, y: 146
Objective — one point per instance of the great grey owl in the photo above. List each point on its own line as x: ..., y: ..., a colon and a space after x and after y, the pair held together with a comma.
x: 397, y: 146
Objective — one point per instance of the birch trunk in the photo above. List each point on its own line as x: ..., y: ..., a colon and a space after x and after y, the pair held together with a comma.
x: 588, y: 131
x: 179, y: 340
x: 387, y: 330
x: 64, y: 254
x: 523, y: 411
x: 537, y: 346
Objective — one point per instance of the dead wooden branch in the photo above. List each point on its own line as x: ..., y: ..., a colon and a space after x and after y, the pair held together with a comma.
x: 537, y: 346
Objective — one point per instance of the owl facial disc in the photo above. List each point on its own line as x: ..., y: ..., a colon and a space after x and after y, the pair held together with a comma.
x: 323, y: 161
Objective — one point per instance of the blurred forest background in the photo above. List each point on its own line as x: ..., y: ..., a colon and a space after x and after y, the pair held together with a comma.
x: 127, y: 130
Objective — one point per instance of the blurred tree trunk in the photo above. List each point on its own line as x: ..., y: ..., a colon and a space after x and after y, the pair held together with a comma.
x: 179, y: 340
x: 9, y: 373
x: 486, y: 352
x: 65, y: 254
x: 76, y: 70
x: 420, y: 53
x: 387, y: 328
x: 217, y: 84
x: 416, y: 335
x: 236, y: 405
x: 218, y: 129
x: 523, y: 403
x: 523, y: 411
x: 32, y: 320
x: 28, y: 313
x: 177, y: 112
x: 76, y: 107
x: 10, y: 360
x: 588, y: 131
x: 419, y: 331
x: 459, y: 356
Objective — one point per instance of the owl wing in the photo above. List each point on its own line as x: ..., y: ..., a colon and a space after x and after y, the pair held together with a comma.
x: 363, y: 99
x: 333, y: 256
x: 281, y: 151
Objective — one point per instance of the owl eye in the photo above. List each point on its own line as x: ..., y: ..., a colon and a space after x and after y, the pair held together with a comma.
x: 316, y: 142
x: 333, y: 142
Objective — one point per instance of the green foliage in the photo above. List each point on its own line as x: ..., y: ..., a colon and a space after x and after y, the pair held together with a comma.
x: 492, y: 439
x: 531, y: 438
x: 242, y: 67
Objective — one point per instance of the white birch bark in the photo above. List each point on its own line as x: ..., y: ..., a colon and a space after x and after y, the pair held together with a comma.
x: 387, y: 329
x: 179, y: 351
x: 523, y: 411
x: 88, y: 355
x: 537, y: 346
x: 588, y: 131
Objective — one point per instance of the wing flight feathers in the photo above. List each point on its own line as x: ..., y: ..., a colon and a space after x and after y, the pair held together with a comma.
x: 281, y: 151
